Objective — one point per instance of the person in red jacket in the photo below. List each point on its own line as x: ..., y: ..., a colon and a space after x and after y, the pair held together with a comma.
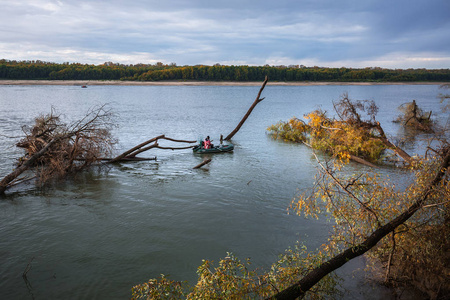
x: 207, y: 143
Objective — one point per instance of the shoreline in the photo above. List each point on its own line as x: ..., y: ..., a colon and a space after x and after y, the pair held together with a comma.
x: 200, y: 83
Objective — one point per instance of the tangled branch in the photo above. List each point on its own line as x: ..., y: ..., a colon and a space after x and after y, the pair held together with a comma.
x: 54, y: 149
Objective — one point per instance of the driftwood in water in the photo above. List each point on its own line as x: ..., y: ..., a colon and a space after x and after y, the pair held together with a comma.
x: 347, y: 111
x: 106, y: 159
x: 362, y: 161
x: 248, y: 112
x: 178, y: 141
x: 206, y: 161
x: 130, y: 154
x: 175, y: 148
x: 352, y: 157
x: 400, y: 152
x: 155, y: 145
x: 54, y: 150
x: 415, y: 117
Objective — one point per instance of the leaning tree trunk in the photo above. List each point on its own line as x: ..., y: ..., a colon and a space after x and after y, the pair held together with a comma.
x: 299, y: 289
x: 126, y: 153
x: 249, y: 111
x: 400, y: 152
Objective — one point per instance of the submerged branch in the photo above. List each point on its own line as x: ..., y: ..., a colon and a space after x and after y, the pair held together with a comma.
x: 130, y: 151
x: 206, y: 161
x: 362, y: 161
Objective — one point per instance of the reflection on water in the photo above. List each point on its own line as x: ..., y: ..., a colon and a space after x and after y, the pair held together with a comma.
x: 99, y: 233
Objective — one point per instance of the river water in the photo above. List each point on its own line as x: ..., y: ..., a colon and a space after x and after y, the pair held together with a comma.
x: 96, y: 235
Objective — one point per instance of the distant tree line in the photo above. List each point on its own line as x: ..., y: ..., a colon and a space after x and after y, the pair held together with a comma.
x: 160, y: 71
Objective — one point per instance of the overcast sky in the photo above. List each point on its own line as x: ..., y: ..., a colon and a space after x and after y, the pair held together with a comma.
x: 328, y: 33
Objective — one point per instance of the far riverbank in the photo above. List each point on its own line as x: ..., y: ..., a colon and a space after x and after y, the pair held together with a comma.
x: 200, y: 83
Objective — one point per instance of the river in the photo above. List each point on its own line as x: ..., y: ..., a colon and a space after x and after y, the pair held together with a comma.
x: 96, y: 235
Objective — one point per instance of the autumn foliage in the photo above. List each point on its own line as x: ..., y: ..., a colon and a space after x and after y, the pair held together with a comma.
x: 347, y: 135
x: 404, y: 220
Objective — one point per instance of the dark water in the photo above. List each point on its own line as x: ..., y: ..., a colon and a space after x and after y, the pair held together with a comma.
x: 100, y: 233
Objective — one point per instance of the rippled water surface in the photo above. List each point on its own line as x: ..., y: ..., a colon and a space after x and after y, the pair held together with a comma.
x: 98, y: 234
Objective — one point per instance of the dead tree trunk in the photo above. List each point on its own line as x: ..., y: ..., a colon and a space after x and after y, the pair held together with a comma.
x: 206, y: 161
x: 178, y: 141
x: 130, y: 155
x: 129, y: 152
x: 174, y: 148
x: 362, y: 161
x: 400, y: 152
x: 155, y: 145
x: 307, y: 282
x: 248, y: 112
x: 4, y: 184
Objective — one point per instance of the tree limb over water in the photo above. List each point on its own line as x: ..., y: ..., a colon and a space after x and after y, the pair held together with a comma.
x: 299, y: 289
x: 257, y: 100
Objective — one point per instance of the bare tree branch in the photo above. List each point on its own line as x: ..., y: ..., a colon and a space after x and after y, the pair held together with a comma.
x: 346, y: 190
x: 257, y: 100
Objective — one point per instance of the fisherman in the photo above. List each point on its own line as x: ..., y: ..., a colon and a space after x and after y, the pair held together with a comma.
x: 207, y: 143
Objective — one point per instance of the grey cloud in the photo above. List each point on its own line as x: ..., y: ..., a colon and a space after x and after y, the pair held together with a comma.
x: 252, y: 32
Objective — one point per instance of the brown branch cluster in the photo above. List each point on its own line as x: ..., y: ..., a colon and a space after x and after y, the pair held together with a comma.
x: 350, y: 112
x: 355, y: 134
x: 68, y: 148
x: 414, y: 117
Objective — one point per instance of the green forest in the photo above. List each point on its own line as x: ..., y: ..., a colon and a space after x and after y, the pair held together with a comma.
x: 40, y: 70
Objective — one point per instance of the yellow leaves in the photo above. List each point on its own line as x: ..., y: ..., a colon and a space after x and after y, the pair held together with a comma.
x: 232, y: 279
x: 343, y: 157
x: 341, y: 138
x: 335, y: 137
x: 352, y: 223
x: 293, y: 130
x: 161, y: 288
x: 306, y: 206
x: 315, y: 119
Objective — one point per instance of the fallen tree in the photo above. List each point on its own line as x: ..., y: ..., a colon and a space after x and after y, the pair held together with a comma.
x: 299, y: 289
x: 54, y: 149
x: 414, y: 117
x: 350, y: 136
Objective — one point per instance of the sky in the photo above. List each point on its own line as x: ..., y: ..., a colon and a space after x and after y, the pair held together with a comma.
x: 327, y: 33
